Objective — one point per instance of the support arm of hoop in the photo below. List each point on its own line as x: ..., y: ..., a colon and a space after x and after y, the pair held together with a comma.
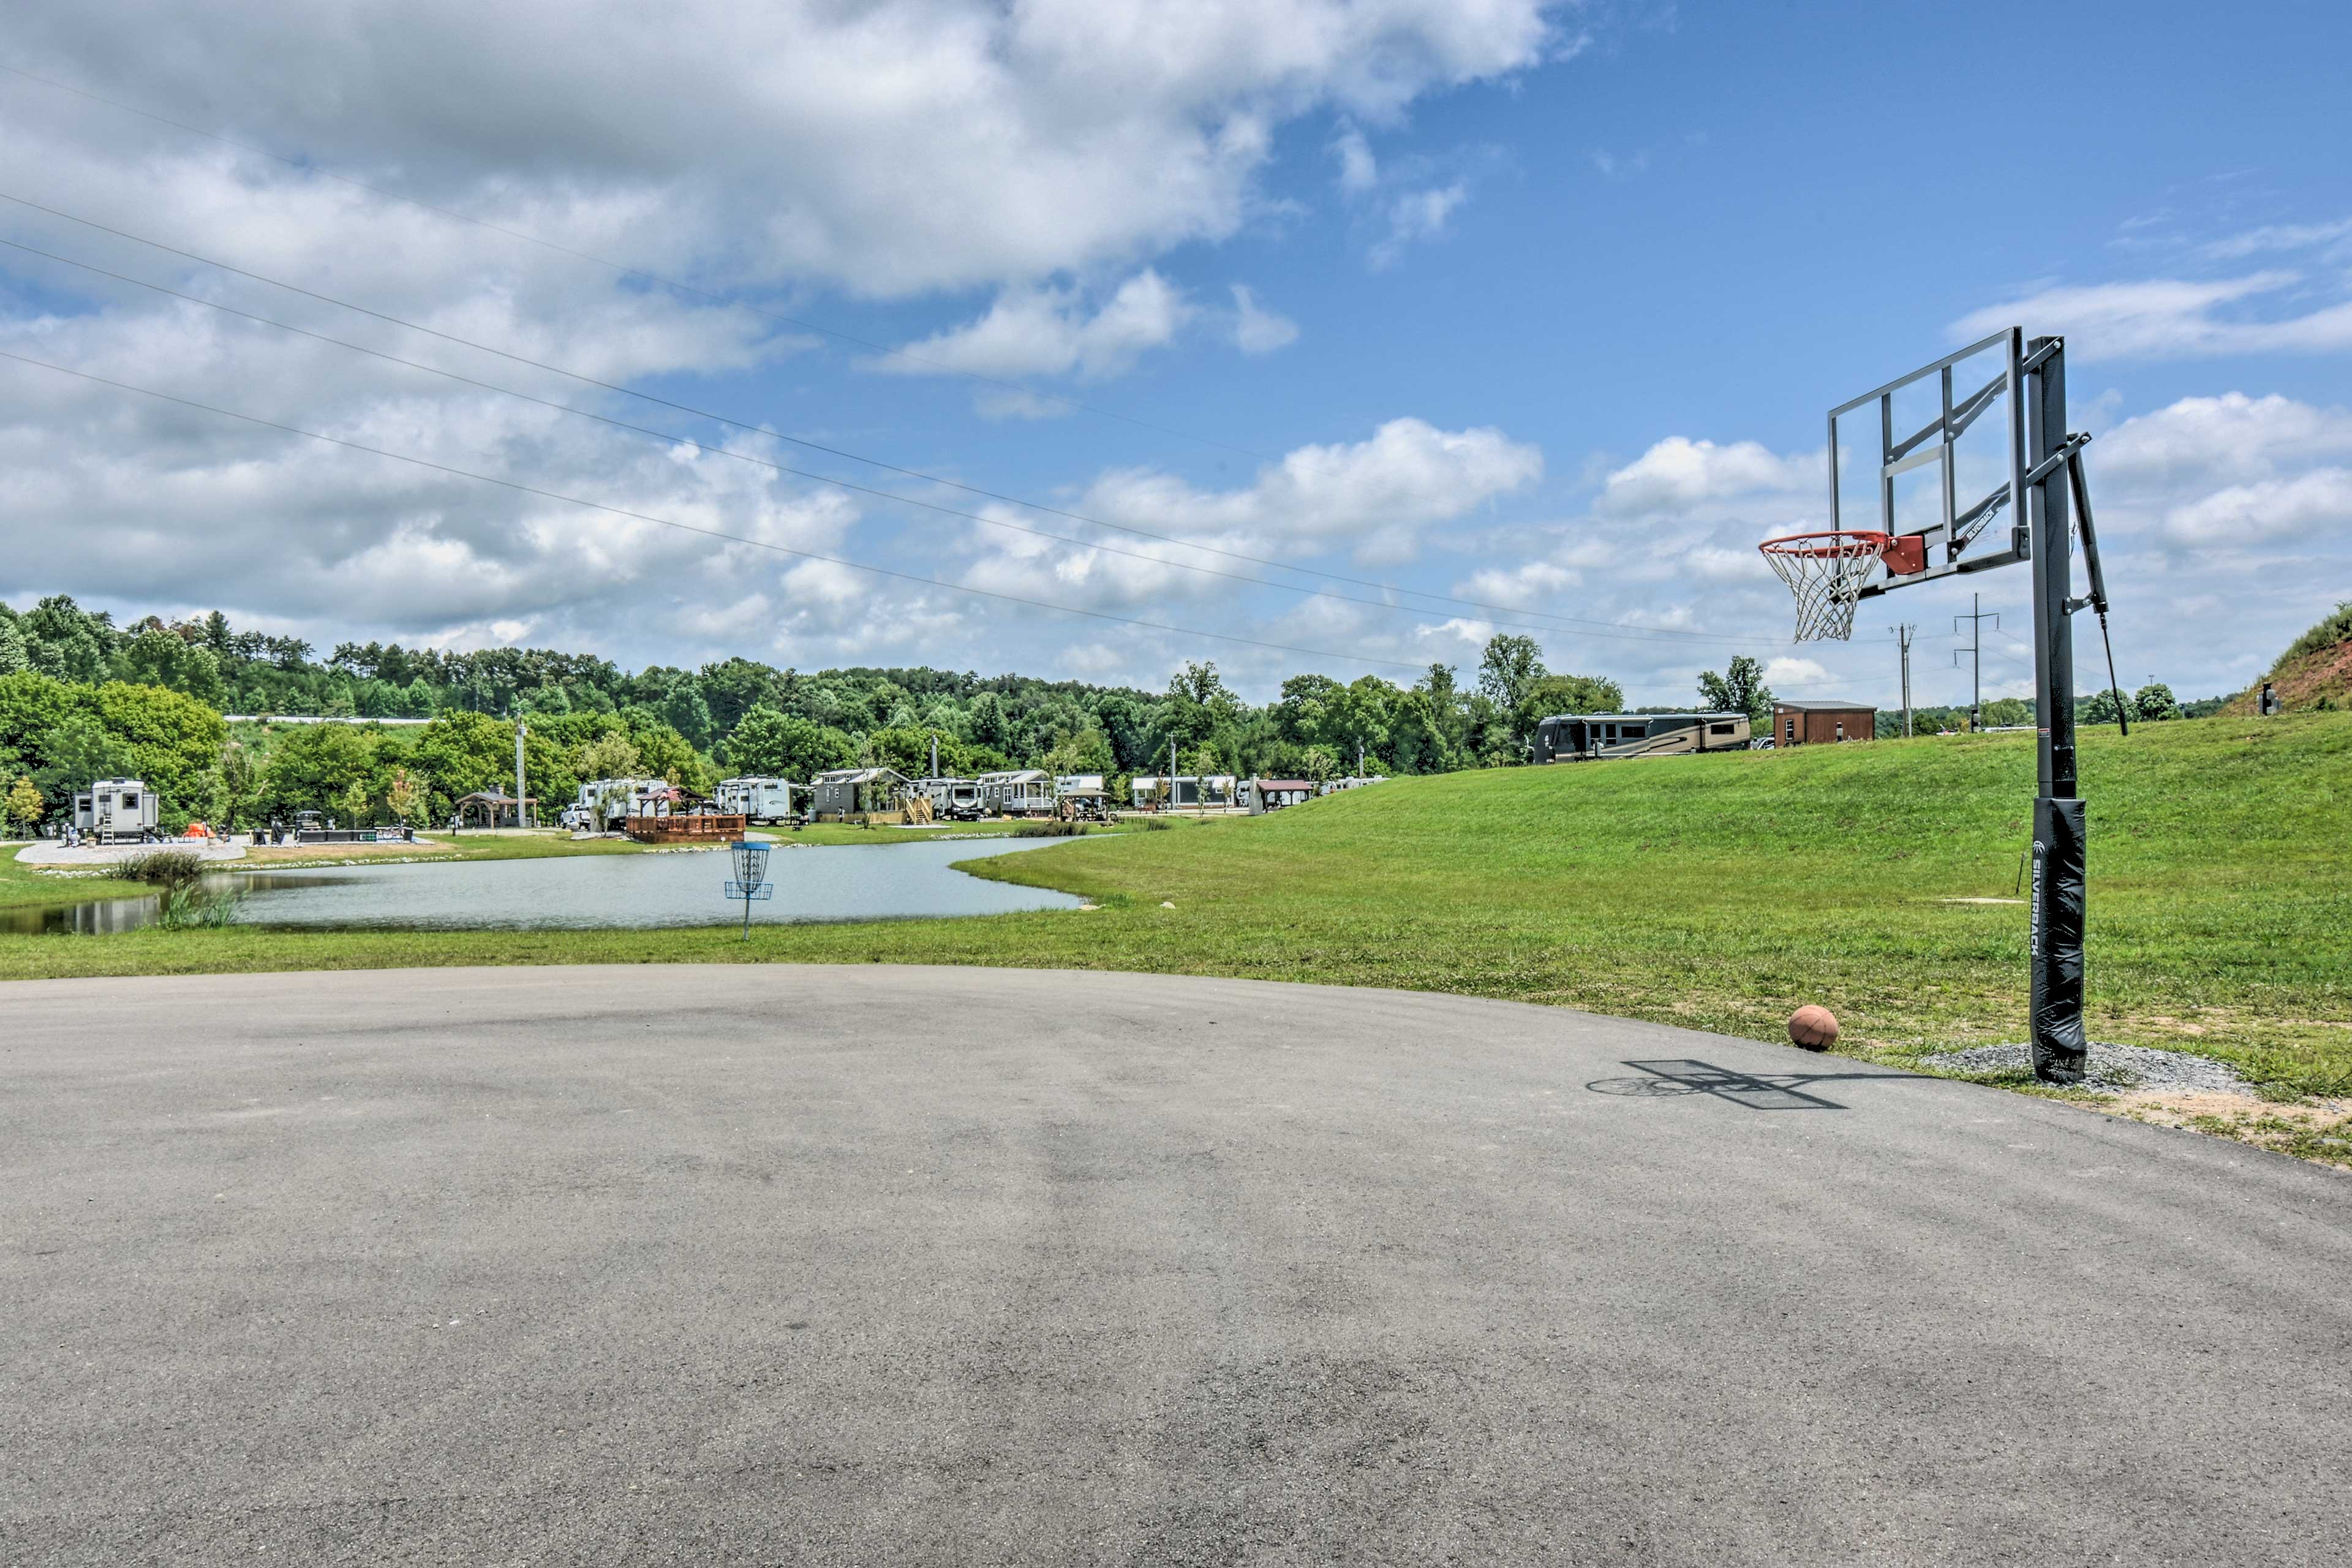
x: 2055, y: 460
x: 2097, y: 597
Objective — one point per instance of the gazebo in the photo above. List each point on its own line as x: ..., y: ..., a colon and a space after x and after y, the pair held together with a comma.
x: 492, y: 806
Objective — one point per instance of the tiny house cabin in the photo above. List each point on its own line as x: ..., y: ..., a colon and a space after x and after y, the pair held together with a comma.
x: 856, y: 792
x: 1017, y: 792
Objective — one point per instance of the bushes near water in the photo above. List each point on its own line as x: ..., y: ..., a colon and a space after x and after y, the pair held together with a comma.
x: 186, y: 904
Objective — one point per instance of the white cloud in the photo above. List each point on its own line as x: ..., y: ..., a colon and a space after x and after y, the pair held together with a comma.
x: 1359, y: 170
x: 1049, y: 331
x: 1679, y: 474
x: 2202, y: 439
x: 1532, y: 582
x: 887, y: 147
x: 2277, y: 237
x: 1373, y: 498
x: 2319, y: 502
x: 1257, y: 330
x: 1407, y: 475
x: 1415, y: 217
x: 1789, y: 670
x: 2170, y: 318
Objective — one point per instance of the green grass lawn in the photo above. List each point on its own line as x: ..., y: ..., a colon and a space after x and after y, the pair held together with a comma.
x: 1718, y: 892
x: 24, y: 885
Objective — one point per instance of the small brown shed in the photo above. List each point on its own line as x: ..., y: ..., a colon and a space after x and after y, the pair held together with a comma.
x: 1822, y: 723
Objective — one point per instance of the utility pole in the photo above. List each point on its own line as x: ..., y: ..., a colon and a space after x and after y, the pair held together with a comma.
x: 1976, y: 619
x: 522, y: 729
x: 1903, y: 640
x: 935, y: 754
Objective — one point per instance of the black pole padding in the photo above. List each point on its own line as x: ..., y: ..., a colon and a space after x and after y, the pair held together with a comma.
x: 2062, y: 1051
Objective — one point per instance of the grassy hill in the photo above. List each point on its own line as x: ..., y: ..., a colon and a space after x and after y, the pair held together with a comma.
x: 2314, y: 673
x: 1715, y: 891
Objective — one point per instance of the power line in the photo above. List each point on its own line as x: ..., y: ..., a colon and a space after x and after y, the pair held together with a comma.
x: 671, y: 439
x: 625, y: 270
x: 706, y: 533
x: 1647, y: 633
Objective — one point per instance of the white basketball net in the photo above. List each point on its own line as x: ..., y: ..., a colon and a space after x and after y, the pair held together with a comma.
x: 1826, y: 572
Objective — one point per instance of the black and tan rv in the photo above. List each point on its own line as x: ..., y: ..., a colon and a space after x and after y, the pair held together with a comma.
x: 1588, y: 737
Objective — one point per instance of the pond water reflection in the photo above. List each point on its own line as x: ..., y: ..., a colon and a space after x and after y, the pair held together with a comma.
x: 580, y: 892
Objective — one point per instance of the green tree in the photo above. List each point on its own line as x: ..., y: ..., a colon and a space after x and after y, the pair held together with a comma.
x: 14, y: 655
x: 161, y: 658
x: 612, y: 755
x: 460, y: 753
x: 240, y: 777
x: 1740, y: 689
x: 773, y: 744
x: 405, y: 796
x: 2154, y: 702
x: 354, y: 803
x: 1508, y: 668
x: 315, y: 767
x: 24, y: 806
x: 1571, y: 694
x: 66, y: 642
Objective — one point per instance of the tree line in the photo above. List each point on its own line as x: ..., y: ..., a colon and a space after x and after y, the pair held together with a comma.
x: 586, y: 717
x: 81, y: 697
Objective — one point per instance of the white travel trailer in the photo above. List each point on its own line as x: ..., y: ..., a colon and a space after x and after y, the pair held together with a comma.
x: 115, y: 810
x: 1018, y: 791
x: 756, y: 800
x: 953, y: 800
x: 606, y: 804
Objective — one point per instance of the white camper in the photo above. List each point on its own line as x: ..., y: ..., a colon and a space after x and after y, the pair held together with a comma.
x: 116, y: 811
x: 953, y: 800
x: 756, y: 800
x: 606, y: 804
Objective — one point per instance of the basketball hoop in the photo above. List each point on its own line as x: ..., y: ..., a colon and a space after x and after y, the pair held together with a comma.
x: 1826, y: 572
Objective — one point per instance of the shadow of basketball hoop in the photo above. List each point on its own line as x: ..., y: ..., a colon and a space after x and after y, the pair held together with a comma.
x: 1678, y: 1078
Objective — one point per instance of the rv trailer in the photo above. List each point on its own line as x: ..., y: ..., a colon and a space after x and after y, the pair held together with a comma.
x: 115, y: 811
x: 756, y: 800
x: 1590, y: 737
x: 606, y: 804
x: 953, y: 800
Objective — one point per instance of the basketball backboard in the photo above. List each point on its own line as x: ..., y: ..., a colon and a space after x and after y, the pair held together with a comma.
x: 1934, y: 459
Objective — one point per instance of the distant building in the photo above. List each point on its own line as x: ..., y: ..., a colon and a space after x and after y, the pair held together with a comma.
x: 1017, y: 792
x: 1152, y: 793
x: 856, y: 792
x: 1822, y: 723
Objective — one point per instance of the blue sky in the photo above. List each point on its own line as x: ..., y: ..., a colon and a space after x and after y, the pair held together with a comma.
x: 1535, y: 306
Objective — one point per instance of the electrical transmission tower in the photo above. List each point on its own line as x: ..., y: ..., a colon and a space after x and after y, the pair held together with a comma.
x: 1975, y: 650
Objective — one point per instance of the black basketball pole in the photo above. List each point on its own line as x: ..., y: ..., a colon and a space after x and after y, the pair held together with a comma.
x: 2060, y: 1051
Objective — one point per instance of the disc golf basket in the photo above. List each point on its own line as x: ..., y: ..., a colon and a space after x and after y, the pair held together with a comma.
x: 1826, y: 572
x: 751, y: 882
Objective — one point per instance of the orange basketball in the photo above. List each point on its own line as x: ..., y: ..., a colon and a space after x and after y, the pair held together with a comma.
x: 1814, y: 1026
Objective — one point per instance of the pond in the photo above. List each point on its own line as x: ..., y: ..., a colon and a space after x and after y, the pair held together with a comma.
x: 579, y: 892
